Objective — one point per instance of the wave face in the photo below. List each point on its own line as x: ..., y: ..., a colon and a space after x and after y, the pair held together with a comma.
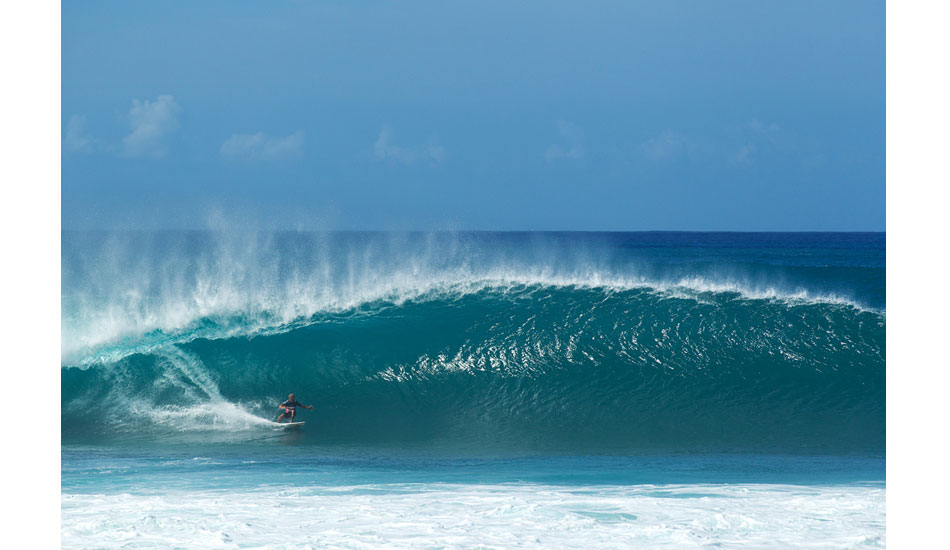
x: 568, y: 342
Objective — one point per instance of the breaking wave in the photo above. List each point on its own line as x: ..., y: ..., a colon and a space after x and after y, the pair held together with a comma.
x: 494, y: 342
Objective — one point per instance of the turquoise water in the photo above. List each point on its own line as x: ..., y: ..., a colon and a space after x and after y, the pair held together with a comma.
x: 214, y: 467
x: 515, y: 389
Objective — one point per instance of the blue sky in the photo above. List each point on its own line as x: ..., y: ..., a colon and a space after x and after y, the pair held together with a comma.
x: 691, y: 115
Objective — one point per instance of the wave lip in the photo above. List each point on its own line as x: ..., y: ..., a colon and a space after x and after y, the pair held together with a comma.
x: 118, y: 332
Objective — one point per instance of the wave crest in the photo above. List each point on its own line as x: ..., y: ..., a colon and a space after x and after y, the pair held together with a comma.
x: 522, y: 364
x: 134, y: 327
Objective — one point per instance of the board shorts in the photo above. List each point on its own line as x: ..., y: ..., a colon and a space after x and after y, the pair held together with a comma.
x: 289, y: 410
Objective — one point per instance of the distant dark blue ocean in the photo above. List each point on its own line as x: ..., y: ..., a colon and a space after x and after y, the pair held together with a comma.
x: 495, y: 389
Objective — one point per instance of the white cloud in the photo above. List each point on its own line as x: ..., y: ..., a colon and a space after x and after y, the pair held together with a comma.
x: 741, y: 145
x: 745, y: 154
x: 557, y: 152
x: 572, y: 146
x: 151, y: 122
x: 260, y: 146
x: 76, y: 138
x: 755, y: 136
x: 757, y: 127
x: 667, y: 145
x: 385, y: 150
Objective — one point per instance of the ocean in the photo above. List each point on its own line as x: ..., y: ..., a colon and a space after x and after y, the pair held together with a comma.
x: 473, y: 389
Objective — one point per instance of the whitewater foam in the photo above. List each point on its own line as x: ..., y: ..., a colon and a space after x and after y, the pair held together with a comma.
x: 524, y: 515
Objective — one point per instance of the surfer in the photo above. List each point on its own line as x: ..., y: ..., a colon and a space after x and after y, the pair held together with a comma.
x: 290, y: 408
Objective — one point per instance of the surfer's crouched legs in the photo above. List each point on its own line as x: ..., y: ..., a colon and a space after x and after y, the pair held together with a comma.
x: 287, y: 412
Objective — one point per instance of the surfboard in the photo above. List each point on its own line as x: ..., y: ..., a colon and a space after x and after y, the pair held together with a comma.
x: 286, y: 425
